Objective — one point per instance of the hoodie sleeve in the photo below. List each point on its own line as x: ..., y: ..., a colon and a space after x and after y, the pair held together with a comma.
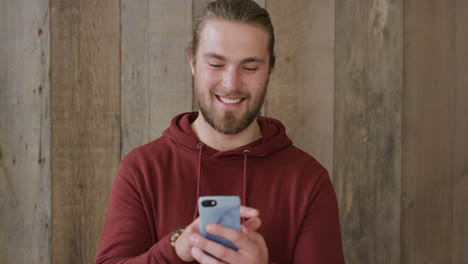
x: 126, y: 237
x: 320, y: 236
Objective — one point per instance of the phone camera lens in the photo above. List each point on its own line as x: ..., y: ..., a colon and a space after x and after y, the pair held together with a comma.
x: 209, y: 203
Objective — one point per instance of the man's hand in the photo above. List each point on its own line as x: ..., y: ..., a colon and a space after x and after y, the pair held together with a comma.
x: 185, y: 246
x: 252, y: 246
x: 182, y: 245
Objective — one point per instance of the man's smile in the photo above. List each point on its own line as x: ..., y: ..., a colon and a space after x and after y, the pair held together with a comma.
x: 230, y: 100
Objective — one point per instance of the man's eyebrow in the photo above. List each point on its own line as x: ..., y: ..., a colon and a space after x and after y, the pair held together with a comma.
x: 214, y: 55
x: 253, y: 59
x: 221, y: 57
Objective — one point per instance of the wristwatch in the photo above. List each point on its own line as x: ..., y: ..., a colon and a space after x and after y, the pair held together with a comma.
x: 176, y: 234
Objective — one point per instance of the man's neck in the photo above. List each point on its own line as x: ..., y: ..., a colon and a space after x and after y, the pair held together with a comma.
x: 222, y: 142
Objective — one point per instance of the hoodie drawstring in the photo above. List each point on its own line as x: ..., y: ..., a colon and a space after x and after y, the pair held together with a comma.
x: 244, y: 178
x: 244, y: 181
x: 200, y: 147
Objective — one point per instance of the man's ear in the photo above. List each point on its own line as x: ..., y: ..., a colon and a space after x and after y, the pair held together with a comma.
x: 191, y: 59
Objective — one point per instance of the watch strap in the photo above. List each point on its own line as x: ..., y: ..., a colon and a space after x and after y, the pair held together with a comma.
x: 176, y: 234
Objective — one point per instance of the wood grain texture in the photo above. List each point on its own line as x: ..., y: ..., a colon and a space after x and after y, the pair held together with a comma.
x: 430, y: 132
x: 170, y: 78
x: 367, y: 131
x: 156, y: 78
x: 85, y: 128
x: 460, y: 181
x: 24, y: 132
x: 135, y: 85
x: 301, y: 86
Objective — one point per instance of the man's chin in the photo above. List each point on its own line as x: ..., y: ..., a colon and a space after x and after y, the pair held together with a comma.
x: 232, y: 126
x: 228, y: 122
x: 228, y: 127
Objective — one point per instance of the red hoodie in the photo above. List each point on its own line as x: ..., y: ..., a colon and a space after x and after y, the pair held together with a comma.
x: 156, y: 190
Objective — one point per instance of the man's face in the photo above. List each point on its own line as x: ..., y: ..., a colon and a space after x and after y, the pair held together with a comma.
x: 231, y: 71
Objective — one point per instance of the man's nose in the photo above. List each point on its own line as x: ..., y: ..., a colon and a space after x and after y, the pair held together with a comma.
x: 231, y: 79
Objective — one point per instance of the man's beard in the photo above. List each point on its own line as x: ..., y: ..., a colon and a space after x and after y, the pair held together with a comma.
x: 228, y: 123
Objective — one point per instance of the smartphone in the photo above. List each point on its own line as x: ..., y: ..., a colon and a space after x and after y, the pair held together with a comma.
x: 222, y: 210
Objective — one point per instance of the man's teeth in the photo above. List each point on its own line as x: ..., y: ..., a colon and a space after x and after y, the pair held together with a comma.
x: 229, y: 100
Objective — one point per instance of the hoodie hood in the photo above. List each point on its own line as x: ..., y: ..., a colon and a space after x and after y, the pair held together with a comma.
x: 273, y: 139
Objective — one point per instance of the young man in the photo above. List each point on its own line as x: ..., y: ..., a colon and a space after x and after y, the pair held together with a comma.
x: 225, y: 149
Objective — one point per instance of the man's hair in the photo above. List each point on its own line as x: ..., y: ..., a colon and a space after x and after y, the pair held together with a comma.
x: 242, y: 11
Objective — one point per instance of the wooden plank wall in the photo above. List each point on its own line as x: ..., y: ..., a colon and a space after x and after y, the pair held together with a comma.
x: 435, y: 146
x: 375, y: 90
x: 25, y: 218
x: 301, y: 86
x: 85, y: 110
x: 155, y: 69
x: 367, y: 132
x: 459, y: 132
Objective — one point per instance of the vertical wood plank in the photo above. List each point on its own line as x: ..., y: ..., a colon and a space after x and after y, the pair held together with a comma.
x: 85, y: 122
x: 460, y: 182
x: 135, y: 88
x: 429, y: 131
x: 367, y: 136
x: 301, y: 86
x: 24, y: 132
x: 170, y: 76
x: 156, y: 77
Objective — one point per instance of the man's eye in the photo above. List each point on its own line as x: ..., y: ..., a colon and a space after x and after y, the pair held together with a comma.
x: 216, y: 65
x: 250, y: 69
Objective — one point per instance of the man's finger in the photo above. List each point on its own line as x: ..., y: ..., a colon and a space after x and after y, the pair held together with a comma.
x: 253, y: 223
x: 254, y: 236
x: 195, y: 225
x: 202, y: 257
x: 213, y: 248
x: 238, y: 238
x: 248, y: 212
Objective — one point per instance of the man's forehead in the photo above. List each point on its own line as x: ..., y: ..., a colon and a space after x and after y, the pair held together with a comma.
x: 221, y: 38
